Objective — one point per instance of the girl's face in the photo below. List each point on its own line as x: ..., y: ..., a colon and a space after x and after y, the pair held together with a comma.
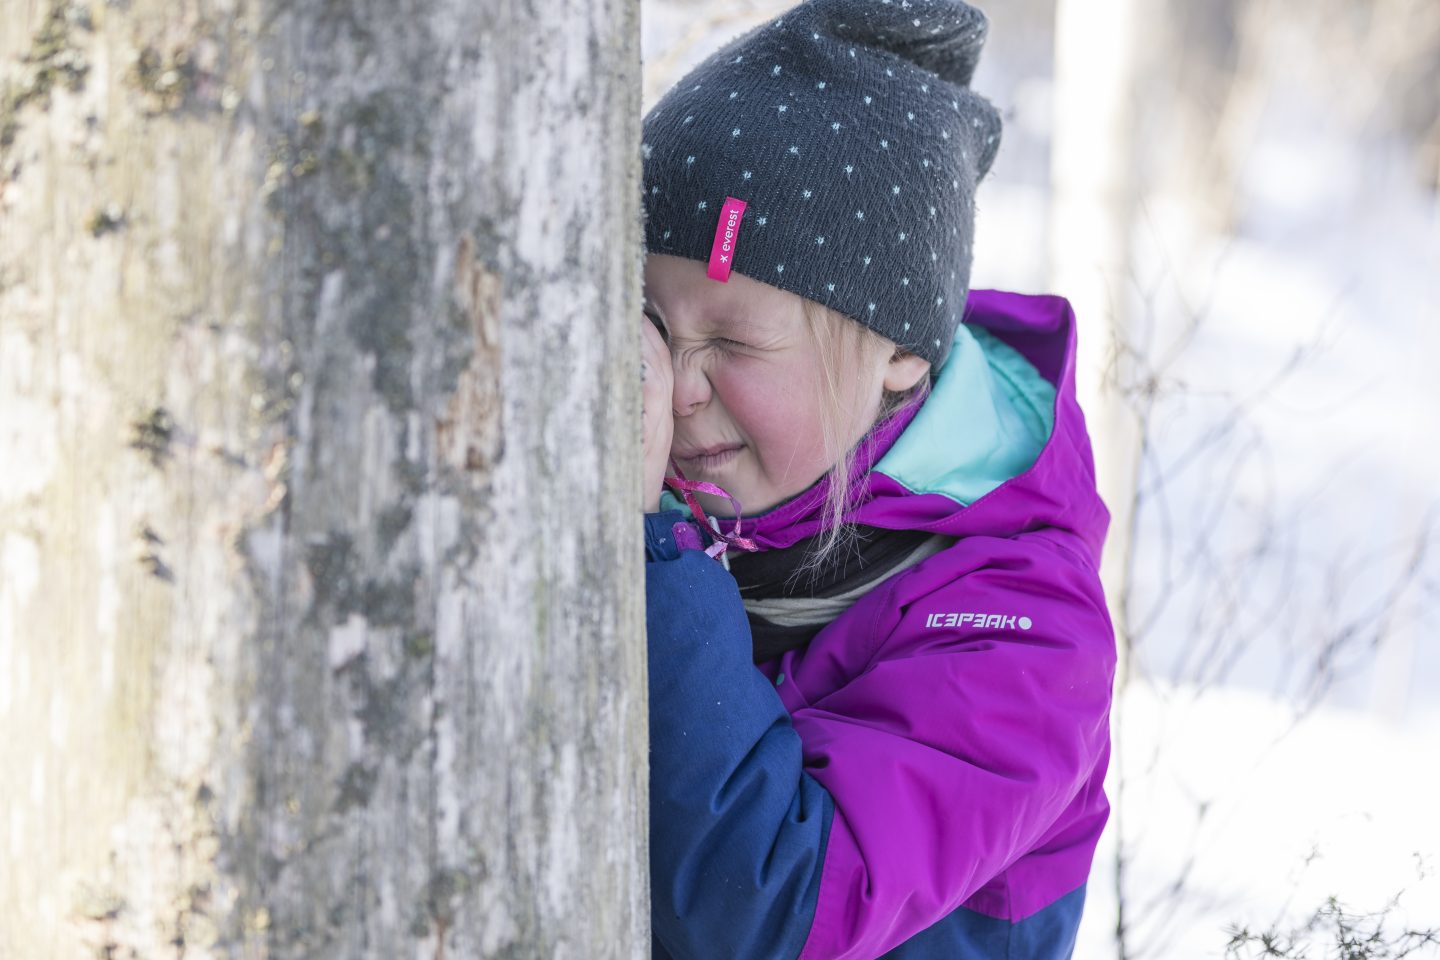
x: 749, y: 385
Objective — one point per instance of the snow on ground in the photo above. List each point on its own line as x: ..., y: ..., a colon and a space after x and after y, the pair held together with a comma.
x: 1341, y: 804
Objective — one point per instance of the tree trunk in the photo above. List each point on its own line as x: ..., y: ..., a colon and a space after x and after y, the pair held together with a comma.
x: 1093, y: 177
x: 321, y: 610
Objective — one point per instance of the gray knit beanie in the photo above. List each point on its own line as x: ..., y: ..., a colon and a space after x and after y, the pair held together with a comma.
x: 833, y: 152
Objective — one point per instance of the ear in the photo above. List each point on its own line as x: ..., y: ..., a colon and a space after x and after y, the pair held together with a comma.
x: 904, y: 371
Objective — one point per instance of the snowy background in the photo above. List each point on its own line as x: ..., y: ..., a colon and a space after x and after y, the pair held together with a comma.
x: 1278, y: 731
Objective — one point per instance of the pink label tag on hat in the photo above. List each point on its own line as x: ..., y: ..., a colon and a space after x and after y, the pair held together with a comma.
x: 727, y: 235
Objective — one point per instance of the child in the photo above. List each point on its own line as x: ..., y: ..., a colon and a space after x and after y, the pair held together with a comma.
x: 880, y: 658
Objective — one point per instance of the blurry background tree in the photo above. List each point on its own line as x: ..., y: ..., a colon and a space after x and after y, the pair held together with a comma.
x: 1242, y: 199
x: 317, y: 348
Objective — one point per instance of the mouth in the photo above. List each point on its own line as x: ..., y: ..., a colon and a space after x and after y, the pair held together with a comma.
x: 709, y: 458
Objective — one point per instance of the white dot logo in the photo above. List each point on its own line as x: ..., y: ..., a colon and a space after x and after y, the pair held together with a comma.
x: 1025, y: 623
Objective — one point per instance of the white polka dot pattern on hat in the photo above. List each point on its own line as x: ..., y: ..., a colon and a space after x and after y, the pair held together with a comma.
x: 873, y: 100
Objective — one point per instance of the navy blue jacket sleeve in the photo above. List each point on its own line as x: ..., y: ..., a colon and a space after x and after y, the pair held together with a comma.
x: 738, y: 829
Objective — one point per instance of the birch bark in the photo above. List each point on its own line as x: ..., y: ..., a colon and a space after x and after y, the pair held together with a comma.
x: 318, y: 364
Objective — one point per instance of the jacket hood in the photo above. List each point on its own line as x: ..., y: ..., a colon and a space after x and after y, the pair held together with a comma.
x: 992, y: 450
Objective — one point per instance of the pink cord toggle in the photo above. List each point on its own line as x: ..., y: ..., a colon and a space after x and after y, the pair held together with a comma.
x: 685, y: 536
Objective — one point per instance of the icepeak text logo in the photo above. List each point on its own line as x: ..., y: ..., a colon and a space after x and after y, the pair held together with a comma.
x: 981, y: 620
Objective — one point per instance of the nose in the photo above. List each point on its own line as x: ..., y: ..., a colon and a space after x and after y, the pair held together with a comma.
x: 692, y: 385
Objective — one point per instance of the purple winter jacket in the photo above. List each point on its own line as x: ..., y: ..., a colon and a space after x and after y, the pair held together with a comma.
x: 924, y: 777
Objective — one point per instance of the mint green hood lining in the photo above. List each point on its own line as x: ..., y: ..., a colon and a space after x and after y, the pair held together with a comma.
x: 988, y: 416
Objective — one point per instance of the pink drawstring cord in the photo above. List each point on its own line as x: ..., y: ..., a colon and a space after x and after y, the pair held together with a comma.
x: 723, y: 540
